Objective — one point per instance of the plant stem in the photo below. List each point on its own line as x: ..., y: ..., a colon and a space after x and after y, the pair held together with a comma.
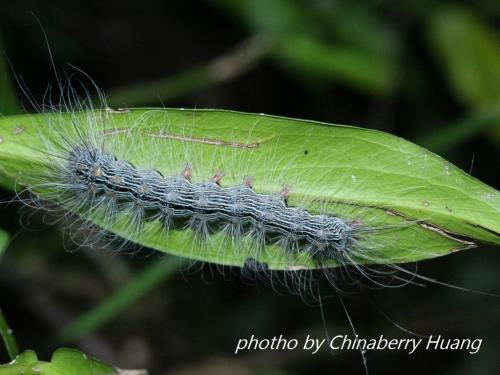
x: 8, y: 338
x: 221, y: 69
x: 118, y: 302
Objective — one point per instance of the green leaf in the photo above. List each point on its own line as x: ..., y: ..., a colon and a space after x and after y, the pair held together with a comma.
x: 64, y: 361
x: 314, y: 41
x: 419, y: 205
x: 469, y: 50
x: 359, y: 68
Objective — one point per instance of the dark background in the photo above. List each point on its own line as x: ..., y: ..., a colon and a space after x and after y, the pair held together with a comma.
x: 427, y: 71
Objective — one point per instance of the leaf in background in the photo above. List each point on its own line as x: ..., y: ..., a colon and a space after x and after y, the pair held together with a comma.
x: 469, y: 51
x: 445, y: 138
x: 358, y: 24
x: 314, y: 59
x: 64, y: 361
x: 324, y: 47
x: 356, y: 173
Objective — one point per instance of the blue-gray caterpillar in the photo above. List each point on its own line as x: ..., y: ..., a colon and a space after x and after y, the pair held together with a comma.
x: 99, y: 178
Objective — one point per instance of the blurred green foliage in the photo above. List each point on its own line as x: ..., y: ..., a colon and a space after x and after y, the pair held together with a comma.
x: 126, y: 296
x: 322, y: 40
x: 469, y: 51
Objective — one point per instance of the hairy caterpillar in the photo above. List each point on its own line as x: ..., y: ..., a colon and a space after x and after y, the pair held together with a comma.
x: 253, y: 191
x: 205, y: 206
x: 243, y: 194
x: 140, y: 136
x: 188, y: 183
